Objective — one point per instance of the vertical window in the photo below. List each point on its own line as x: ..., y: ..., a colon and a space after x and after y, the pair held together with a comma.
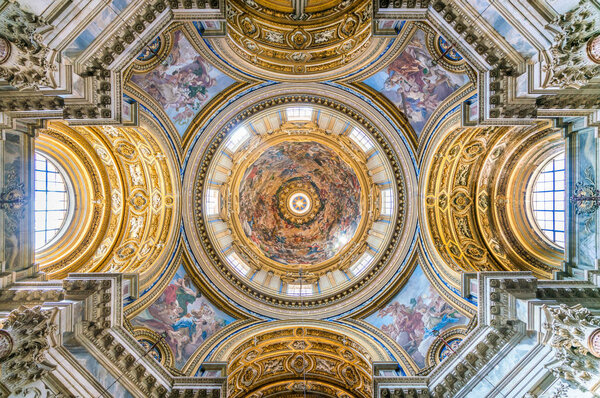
x: 387, y: 202
x: 51, y: 201
x: 300, y: 290
x: 361, y: 139
x: 237, y: 263
x: 212, y: 202
x: 300, y: 113
x: 361, y: 264
x: 237, y: 138
x: 549, y: 200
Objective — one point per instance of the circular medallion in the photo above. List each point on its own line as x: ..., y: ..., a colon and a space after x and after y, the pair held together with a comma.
x: 6, y: 344
x: 276, y: 207
x: 593, y: 49
x: 299, y: 203
x: 4, y: 50
x: 594, y: 343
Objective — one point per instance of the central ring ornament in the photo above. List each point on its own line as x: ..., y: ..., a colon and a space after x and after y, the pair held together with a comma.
x: 299, y: 201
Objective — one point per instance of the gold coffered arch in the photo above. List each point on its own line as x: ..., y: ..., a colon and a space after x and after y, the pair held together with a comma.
x: 299, y: 360
x: 267, y: 40
x: 90, y: 182
x: 477, y: 191
x: 126, y: 205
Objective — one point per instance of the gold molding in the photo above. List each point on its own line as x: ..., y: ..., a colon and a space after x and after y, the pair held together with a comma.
x: 291, y: 355
x: 475, y: 201
x: 132, y: 190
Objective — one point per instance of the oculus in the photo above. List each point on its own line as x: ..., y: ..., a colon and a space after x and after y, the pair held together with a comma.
x: 548, y: 200
x: 52, y: 200
x: 299, y: 203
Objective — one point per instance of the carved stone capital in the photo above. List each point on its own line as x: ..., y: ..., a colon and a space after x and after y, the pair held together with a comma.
x: 570, y: 330
x: 28, y: 330
x: 571, y: 64
x: 25, y: 62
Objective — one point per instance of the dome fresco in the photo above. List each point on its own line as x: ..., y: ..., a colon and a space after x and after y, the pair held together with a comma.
x: 298, y: 199
x: 335, y: 219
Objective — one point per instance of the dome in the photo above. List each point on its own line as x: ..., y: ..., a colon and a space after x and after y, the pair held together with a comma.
x: 296, y: 203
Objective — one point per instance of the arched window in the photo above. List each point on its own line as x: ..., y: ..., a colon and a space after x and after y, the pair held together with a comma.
x: 549, y: 199
x: 51, y: 201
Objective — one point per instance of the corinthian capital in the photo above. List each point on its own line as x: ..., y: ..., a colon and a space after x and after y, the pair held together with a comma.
x: 572, y: 333
x: 575, y: 58
x: 23, y: 343
x: 25, y: 62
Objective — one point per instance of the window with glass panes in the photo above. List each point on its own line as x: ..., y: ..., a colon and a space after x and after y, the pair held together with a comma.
x: 549, y: 200
x: 51, y: 200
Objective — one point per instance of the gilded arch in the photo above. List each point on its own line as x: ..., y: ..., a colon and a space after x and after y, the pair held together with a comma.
x: 476, y: 205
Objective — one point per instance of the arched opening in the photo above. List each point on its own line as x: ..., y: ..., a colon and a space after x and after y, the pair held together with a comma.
x: 548, y: 200
x: 52, y: 201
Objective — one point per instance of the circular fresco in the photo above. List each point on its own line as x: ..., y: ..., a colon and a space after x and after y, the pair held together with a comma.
x: 283, y: 180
